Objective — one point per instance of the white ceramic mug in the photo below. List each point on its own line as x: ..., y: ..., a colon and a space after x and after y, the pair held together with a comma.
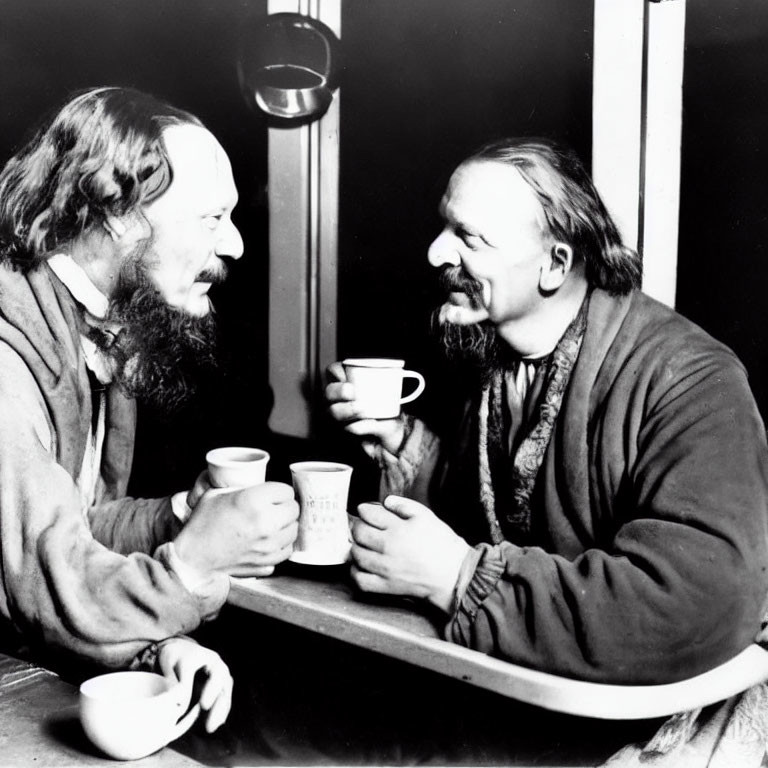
x: 236, y: 467
x: 322, y: 488
x: 378, y: 384
x: 129, y: 715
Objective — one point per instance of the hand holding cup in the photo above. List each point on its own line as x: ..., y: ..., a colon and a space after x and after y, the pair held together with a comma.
x: 182, y: 660
x: 401, y: 547
x: 365, y: 396
x: 242, y: 531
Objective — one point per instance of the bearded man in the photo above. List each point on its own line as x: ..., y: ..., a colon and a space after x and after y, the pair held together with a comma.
x: 599, y: 508
x: 114, y: 224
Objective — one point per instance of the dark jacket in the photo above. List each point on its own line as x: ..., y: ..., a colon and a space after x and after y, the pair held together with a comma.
x: 649, y: 559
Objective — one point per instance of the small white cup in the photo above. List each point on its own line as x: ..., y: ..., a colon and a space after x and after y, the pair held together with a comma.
x: 236, y: 467
x: 378, y: 384
x: 322, y: 488
x: 129, y: 715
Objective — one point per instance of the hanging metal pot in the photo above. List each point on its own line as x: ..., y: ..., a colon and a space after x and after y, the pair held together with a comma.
x: 288, y: 65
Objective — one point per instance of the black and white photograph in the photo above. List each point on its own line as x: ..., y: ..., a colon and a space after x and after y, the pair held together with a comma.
x: 384, y: 383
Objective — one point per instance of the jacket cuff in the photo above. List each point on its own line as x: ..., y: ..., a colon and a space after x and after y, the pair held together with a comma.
x: 466, y: 572
x: 399, y: 471
x: 210, y: 589
x: 488, y: 569
x: 147, y: 660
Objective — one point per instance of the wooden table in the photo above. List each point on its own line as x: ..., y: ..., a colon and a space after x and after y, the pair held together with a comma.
x: 401, y: 630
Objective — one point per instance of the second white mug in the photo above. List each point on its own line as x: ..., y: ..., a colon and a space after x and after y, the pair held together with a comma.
x: 129, y: 715
x: 378, y: 384
x: 236, y: 467
x: 322, y: 488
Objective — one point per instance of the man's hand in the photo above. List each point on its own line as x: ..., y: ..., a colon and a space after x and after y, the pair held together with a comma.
x: 402, y: 548
x: 243, y: 532
x: 342, y: 406
x: 202, y: 484
x: 181, y: 659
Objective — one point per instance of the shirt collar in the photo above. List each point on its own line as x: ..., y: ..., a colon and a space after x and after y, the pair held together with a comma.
x: 95, y: 304
x: 79, y: 284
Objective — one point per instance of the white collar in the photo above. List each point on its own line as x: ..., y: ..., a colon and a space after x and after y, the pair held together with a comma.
x: 95, y: 303
x: 79, y: 284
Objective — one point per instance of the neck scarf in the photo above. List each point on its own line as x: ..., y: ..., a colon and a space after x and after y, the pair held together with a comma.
x: 530, y: 454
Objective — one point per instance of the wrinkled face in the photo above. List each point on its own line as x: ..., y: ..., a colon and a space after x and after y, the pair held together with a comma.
x: 494, y: 233
x: 192, y: 229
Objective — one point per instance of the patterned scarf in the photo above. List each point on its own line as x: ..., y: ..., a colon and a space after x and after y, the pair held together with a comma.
x: 530, y: 454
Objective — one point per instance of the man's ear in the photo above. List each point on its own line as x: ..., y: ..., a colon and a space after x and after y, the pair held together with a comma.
x: 560, y: 262
x: 125, y: 231
x: 116, y: 227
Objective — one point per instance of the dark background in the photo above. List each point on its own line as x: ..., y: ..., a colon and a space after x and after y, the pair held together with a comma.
x: 723, y: 254
x: 423, y: 88
x: 424, y: 82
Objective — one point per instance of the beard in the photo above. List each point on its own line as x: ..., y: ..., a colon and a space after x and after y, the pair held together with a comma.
x: 476, y: 345
x: 159, y: 351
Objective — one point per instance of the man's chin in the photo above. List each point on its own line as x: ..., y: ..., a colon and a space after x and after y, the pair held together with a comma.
x: 198, y: 306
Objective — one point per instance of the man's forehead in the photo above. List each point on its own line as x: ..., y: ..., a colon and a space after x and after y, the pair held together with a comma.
x: 199, y: 162
x: 482, y: 189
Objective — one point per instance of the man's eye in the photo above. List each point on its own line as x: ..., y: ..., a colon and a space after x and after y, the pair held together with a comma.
x: 213, y: 220
x: 472, y: 242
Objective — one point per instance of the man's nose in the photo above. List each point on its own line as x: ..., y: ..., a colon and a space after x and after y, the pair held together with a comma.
x: 444, y: 250
x: 229, y: 242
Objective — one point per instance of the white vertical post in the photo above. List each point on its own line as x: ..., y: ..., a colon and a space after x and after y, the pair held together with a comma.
x: 617, y: 110
x: 303, y: 168
x: 665, y: 44
x: 636, y: 118
x: 327, y: 212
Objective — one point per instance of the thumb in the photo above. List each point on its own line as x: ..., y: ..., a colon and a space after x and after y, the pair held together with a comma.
x: 202, y: 484
x: 335, y: 372
x: 405, y: 508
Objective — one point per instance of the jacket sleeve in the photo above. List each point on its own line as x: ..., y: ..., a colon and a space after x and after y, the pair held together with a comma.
x: 63, y: 590
x: 677, y: 584
x: 133, y: 525
x: 408, y: 472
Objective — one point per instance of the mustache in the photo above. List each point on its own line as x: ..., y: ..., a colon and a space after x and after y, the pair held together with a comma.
x: 212, y: 275
x: 454, y: 279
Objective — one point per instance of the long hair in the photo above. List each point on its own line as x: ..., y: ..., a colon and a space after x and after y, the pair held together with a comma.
x: 101, y: 155
x: 574, y: 211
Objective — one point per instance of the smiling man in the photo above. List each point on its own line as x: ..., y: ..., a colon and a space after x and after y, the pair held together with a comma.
x: 115, y: 220
x: 599, y: 509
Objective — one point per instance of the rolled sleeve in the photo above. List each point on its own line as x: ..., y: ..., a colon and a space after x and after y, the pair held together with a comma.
x: 210, y: 589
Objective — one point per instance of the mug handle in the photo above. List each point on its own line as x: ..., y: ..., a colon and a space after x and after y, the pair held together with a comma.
x: 419, y: 387
x: 186, y: 722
